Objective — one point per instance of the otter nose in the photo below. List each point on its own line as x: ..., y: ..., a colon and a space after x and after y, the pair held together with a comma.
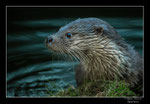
x: 49, y: 40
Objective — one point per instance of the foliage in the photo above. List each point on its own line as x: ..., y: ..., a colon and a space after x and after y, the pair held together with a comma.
x: 98, y: 88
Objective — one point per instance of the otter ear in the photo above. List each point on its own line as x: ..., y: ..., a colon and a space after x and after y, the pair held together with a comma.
x: 98, y: 30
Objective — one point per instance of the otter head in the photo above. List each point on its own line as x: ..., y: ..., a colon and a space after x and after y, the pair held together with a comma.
x: 79, y: 37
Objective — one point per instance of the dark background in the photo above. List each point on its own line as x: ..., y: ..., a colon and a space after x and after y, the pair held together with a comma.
x: 31, y: 68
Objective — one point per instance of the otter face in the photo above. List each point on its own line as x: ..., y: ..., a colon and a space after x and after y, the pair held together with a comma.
x: 78, y: 37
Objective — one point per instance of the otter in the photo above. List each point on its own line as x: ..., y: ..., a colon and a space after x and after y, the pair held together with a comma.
x: 103, y: 54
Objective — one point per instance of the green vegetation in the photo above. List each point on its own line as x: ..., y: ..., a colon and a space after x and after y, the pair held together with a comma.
x: 99, y: 88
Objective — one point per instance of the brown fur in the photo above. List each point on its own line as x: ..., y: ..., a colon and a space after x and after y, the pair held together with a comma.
x: 103, y: 54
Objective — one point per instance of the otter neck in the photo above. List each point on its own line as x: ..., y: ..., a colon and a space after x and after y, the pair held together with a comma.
x: 107, y: 62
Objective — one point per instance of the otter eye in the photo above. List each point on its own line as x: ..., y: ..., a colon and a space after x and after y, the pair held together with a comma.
x: 68, y: 35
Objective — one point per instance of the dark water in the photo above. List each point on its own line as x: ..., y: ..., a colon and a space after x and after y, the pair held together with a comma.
x: 31, y: 69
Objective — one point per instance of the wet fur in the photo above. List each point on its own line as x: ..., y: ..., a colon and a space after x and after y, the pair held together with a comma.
x: 102, y: 52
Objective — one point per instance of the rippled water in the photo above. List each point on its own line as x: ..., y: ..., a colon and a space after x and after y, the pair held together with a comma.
x: 33, y: 71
